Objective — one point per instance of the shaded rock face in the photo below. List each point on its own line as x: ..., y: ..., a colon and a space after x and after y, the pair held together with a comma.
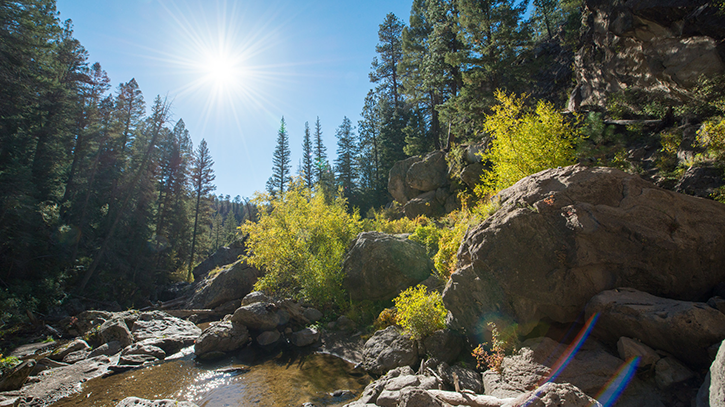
x: 15, y: 378
x: 428, y: 174
x: 654, y: 46
x: 421, y: 184
x: 225, y: 336
x: 397, y: 185
x: 260, y: 316
x: 115, y: 329
x: 388, y: 349
x: 702, y: 181
x: 681, y: 328
x: 379, y: 266
x: 564, y: 235
x: 161, y: 329
x: 233, y: 282
x: 222, y: 257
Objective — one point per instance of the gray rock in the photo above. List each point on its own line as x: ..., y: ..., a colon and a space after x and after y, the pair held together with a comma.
x: 467, y: 379
x: 223, y: 336
x: 418, y: 398
x: 669, y: 371
x: 72, y: 346
x: 305, y: 337
x: 718, y: 303
x: 32, y: 349
x: 388, y: 349
x: 379, y: 266
x: 473, y: 152
x: 166, y: 332
x: 702, y: 181
x: 428, y: 174
x: 397, y: 180
x: 222, y: 257
x: 260, y: 316
x: 115, y: 329
x: 255, y: 296
x: 145, y: 348
x: 65, y: 381
x: 647, y: 46
x: 107, y: 349
x: 555, y: 395
x: 425, y: 204
x: 344, y: 323
x: 76, y: 356
x: 684, y: 329
x: 703, y: 395
x: 587, y: 230
x: 231, y: 283
x: 717, y: 379
x: 16, y: 378
x: 629, y: 348
x: 137, y: 402
x: 471, y: 174
x: 268, y: 337
x: 444, y: 345
x: 134, y: 360
x: 312, y: 314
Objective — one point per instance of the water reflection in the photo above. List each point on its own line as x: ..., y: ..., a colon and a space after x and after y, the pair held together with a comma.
x: 248, y: 378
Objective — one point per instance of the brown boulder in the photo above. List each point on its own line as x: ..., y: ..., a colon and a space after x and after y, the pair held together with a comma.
x: 428, y: 174
x: 681, y: 328
x: 564, y: 235
x: 231, y: 283
x: 397, y: 184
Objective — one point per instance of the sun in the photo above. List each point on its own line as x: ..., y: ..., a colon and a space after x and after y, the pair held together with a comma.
x: 221, y: 70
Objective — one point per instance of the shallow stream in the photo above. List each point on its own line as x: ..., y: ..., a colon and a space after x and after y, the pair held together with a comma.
x: 249, y: 378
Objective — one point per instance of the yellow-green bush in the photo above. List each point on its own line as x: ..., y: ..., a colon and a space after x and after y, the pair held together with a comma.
x: 420, y: 313
x: 427, y: 235
x: 386, y: 318
x: 712, y: 136
x: 525, y: 142
x: 450, y: 240
x: 300, y: 242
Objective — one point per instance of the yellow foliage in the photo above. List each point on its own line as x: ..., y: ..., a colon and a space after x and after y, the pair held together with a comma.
x: 300, y: 241
x: 712, y: 136
x: 420, y: 313
x: 525, y: 142
x: 386, y: 318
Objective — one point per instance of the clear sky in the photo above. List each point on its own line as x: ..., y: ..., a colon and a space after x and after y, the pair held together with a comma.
x: 232, y: 69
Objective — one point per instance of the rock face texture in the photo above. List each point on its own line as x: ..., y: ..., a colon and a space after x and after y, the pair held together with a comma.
x: 564, y: 235
x: 653, y: 46
x: 388, y: 349
x: 233, y: 282
x: 684, y: 329
x: 225, y: 336
x: 421, y: 184
x: 379, y: 266
x: 222, y: 257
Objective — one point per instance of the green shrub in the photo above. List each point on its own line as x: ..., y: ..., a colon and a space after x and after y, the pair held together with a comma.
x: 300, y: 241
x: 427, y: 235
x: 420, y: 313
x: 450, y: 240
x: 7, y: 363
x: 525, y: 141
x: 712, y: 136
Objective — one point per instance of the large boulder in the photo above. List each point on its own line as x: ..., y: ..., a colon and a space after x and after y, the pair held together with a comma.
x: 428, y: 174
x: 388, y: 349
x: 426, y: 204
x: 161, y: 329
x: 259, y: 316
x: 716, y: 392
x: 379, y: 266
x: 682, y: 328
x: 563, y: 235
x: 225, y: 336
x: 222, y: 257
x: 397, y: 180
x: 115, y: 329
x: 657, y: 47
x: 231, y: 283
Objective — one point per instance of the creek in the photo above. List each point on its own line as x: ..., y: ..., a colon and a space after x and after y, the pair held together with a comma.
x: 248, y: 378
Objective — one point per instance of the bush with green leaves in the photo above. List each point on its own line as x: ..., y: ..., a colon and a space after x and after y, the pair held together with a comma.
x: 420, y: 312
x: 300, y: 240
x: 525, y: 141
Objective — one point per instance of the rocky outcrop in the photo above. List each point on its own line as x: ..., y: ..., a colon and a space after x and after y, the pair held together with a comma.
x: 388, y: 349
x: 681, y: 328
x: 397, y: 185
x: 421, y: 185
x: 379, y: 266
x: 259, y: 316
x: 222, y: 257
x: 225, y: 336
x: 428, y: 174
x: 564, y: 235
x: 658, y: 47
x: 115, y: 329
x: 231, y: 283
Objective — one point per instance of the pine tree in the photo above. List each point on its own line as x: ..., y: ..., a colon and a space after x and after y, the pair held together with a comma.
x: 345, y: 163
x: 390, y: 50
x: 321, y: 165
x: 202, y: 176
x: 306, y: 167
x: 280, y: 163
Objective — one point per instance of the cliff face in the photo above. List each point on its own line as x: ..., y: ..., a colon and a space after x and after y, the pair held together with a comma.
x: 658, y: 46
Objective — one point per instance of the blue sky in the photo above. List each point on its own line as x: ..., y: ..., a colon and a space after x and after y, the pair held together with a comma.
x: 233, y: 68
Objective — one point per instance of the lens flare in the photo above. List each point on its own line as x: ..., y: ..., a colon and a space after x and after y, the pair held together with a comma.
x: 616, y: 385
x: 570, y: 351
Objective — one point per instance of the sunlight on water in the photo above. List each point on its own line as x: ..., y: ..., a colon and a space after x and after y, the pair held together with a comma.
x: 281, y: 379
